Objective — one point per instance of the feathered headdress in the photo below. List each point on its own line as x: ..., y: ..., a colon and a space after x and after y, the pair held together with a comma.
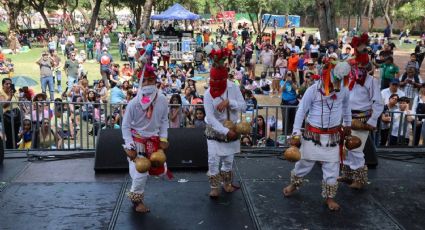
x: 218, y: 73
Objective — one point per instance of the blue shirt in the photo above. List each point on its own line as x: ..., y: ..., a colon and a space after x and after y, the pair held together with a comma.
x: 289, y: 93
x: 117, y: 96
x: 300, y: 64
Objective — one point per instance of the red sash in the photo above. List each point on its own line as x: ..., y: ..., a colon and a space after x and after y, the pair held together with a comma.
x: 151, y: 145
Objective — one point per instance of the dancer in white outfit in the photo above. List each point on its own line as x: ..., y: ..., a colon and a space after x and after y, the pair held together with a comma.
x: 366, y: 107
x: 144, y: 129
x: 223, y: 104
x: 328, y: 117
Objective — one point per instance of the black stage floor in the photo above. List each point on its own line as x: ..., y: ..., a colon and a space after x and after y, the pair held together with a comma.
x: 67, y: 194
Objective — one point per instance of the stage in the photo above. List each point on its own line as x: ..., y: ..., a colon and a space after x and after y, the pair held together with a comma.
x: 67, y: 194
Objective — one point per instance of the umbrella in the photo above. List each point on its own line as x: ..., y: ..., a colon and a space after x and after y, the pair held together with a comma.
x: 21, y: 81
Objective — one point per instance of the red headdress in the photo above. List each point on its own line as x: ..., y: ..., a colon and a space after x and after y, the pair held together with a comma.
x: 218, y: 73
x: 149, y: 72
x: 360, y: 63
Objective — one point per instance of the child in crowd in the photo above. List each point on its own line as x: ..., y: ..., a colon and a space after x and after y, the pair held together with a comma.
x: 175, y: 111
x: 401, y: 120
x: 246, y: 141
x: 111, y: 123
x: 25, y: 135
x: 413, y: 63
x: 199, y: 121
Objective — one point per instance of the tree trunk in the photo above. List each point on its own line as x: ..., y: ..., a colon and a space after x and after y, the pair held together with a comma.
x: 370, y: 16
x: 13, y: 9
x: 95, y: 14
x: 326, y: 16
x: 137, y: 12
x: 46, y: 21
x: 147, y: 10
x: 388, y: 20
x: 259, y: 20
x: 252, y: 22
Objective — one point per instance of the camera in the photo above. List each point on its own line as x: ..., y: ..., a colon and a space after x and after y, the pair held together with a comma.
x: 12, y: 87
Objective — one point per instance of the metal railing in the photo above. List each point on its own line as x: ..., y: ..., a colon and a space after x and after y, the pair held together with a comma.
x: 75, y: 126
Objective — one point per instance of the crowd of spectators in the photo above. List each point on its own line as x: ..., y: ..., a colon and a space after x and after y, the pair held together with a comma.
x: 289, y: 63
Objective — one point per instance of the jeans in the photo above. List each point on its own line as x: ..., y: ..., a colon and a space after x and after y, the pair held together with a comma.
x: 71, y: 81
x: 90, y: 54
x: 48, y: 81
x: 132, y: 61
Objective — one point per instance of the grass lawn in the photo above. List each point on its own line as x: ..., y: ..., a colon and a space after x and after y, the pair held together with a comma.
x: 3, y: 27
x: 25, y: 65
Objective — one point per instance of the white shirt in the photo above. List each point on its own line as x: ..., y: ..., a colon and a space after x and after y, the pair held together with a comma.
x: 267, y: 57
x: 323, y: 111
x: 386, y: 94
x: 215, y: 118
x: 135, y: 118
x: 131, y: 51
x: 368, y: 97
x: 314, y: 48
x: 396, y: 123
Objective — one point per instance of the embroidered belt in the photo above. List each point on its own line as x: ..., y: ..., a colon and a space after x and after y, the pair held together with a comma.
x: 361, y: 115
x: 312, y: 133
x: 212, y: 134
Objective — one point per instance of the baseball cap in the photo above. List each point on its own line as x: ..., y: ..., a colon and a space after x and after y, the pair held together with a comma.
x: 104, y: 49
x: 395, y: 81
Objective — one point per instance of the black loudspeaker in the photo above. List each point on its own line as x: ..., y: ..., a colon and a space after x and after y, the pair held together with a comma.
x: 370, y: 153
x: 188, y: 149
x: 110, y: 155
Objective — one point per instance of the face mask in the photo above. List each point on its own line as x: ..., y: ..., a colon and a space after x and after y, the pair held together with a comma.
x: 148, y: 90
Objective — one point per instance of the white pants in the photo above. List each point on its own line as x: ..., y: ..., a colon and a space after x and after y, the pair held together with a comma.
x: 214, y: 163
x: 330, y: 170
x: 138, y: 180
x: 355, y: 158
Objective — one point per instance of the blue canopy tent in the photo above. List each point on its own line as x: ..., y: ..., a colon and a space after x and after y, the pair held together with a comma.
x: 176, y: 12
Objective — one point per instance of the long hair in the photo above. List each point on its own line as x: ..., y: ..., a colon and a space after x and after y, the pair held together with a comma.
x: 179, y: 99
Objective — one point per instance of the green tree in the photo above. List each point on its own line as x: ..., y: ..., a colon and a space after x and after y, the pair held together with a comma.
x: 13, y: 8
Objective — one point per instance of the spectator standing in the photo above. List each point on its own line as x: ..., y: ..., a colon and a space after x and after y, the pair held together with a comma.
x: 267, y: 59
x: 389, y: 71
x: 165, y: 53
x: 71, y: 69
x: 410, y: 83
x: 289, y: 97
x: 90, y: 47
x: 7, y: 95
x: 56, y: 71
x: 106, y: 41
x: 46, y: 65
x: 401, y: 123
x: 393, y: 89
x: 386, y: 118
x: 419, y: 108
x: 105, y: 60
x: 420, y: 52
x: 131, y: 54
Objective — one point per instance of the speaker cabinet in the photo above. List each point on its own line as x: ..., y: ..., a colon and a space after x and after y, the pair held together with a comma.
x: 188, y: 149
x: 110, y: 155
